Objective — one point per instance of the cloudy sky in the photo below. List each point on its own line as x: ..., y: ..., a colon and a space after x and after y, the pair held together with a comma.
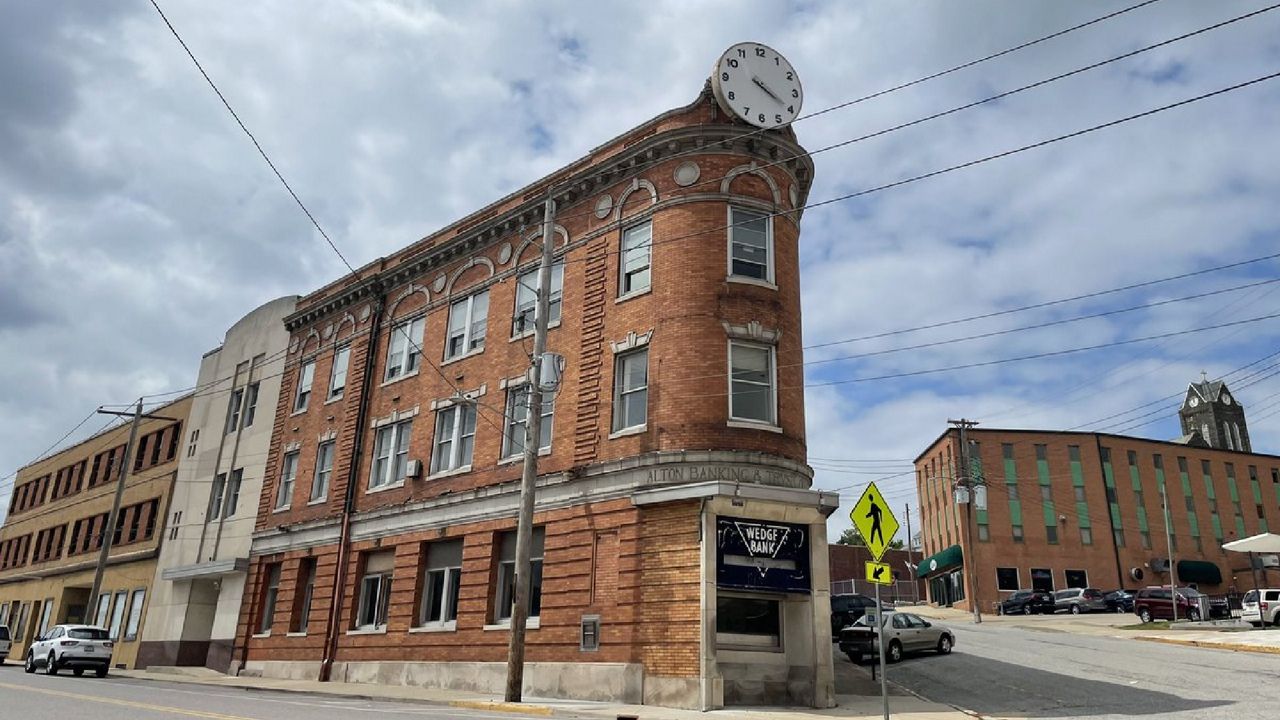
x: 137, y: 222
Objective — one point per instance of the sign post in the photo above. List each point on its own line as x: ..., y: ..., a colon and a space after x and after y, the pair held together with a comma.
x: 877, y: 526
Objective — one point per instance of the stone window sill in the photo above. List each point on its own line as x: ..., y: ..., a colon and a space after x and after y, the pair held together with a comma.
x: 624, y: 432
x: 529, y: 333
x: 542, y: 452
x: 464, y: 356
x: 752, y: 425
x: 633, y: 294
x: 460, y: 470
x: 402, y: 376
x: 369, y: 631
x: 530, y: 624
x: 384, y: 488
x: 752, y: 281
x: 451, y: 626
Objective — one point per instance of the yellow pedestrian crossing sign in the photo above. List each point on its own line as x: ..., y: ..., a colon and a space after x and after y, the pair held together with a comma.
x: 879, y: 573
x: 875, y: 521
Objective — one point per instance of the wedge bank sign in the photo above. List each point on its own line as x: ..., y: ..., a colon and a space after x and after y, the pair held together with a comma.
x: 762, y: 555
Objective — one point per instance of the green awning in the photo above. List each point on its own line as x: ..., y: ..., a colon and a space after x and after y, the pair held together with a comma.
x: 1198, y: 571
x: 941, y: 562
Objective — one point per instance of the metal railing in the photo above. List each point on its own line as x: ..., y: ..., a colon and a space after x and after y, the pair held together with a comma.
x: 901, y: 591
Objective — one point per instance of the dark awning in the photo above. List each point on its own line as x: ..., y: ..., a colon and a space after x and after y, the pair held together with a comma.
x: 1198, y: 571
x: 942, y: 561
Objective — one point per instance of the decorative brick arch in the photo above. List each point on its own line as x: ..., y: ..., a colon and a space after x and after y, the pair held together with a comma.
x: 413, y: 288
x: 312, y: 334
x: 752, y: 169
x: 474, y: 262
x: 347, y: 318
x: 636, y: 184
x: 528, y: 240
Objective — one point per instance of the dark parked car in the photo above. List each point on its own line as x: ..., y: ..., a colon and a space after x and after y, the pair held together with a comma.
x: 1027, y: 602
x: 1156, y: 603
x: 846, y: 609
x: 1120, y: 601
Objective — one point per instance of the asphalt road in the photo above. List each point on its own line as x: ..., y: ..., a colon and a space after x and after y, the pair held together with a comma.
x: 26, y: 697
x: 1010, y: 672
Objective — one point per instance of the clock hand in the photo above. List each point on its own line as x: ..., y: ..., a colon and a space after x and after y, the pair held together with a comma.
x: 760, y: 84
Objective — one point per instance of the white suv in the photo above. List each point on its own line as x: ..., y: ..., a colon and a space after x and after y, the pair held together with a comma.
x: 5, y: 642
x: 71, y: 646
x: 1266, y: 612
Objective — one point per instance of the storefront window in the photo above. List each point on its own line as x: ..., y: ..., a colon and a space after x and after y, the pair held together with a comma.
x: 749, y: 622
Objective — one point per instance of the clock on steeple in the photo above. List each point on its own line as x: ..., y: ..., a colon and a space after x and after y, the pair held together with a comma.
x: 1210, y: 411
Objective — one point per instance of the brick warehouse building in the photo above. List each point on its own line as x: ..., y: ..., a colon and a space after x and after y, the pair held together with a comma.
x: 1079, y: 509
x: 385, y: 538
x: 57, y: 524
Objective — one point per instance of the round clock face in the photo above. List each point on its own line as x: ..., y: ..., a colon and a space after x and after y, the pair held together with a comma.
x: 1226, y: 399
x: 1194, y: 402
x: 756, y: 84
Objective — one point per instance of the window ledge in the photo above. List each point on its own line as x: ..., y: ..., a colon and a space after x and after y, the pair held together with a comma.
x: 624, y: 432
x: 464, y: 356
x: 295, y: 634
x: 529, y: 333
x: 542, y: 452
x: 318, y: 501
x: 530, y: 624
x: 751, y: 281
x: 296, y: 413
x: 384, y: 488
x: 461, y: 470
x: 754, y: 425
x: 633, y: 294
x: 282, y: 509
x: 403, y: 376
x: 451, y: 626
x: 369, y: 631
x: 335, y: 398
x: 266, y: 634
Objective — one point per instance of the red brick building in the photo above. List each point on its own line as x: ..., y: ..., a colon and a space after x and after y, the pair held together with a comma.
x: 1078, y: 509
x: 673, y: 455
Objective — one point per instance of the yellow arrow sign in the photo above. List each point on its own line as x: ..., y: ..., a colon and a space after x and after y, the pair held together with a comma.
x: 875, y: 521
x: 879, y: 573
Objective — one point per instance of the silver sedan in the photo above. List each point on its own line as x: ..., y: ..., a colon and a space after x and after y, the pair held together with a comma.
x: 903, y: 632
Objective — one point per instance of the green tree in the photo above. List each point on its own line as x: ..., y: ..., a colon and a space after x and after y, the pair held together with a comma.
x: 850, y: 536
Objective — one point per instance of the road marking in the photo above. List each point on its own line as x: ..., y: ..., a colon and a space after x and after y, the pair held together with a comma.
x: 127, y: 703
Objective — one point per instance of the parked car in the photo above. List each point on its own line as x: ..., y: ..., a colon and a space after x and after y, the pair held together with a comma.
x: 1078, y: 600
x: 1264, y: 612
x: 78, y: 647
x: 847, y: 608
x: 1027, y: 602
x: 1156, y: 603
x: 5, y: 642
x: 1120, y: 601
x: 903, y: 633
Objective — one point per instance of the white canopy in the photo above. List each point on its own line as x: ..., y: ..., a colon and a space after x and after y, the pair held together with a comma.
x: 1264, y: 543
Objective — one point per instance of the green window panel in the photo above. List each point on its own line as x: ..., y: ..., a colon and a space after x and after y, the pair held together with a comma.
x: 1050, y: 517
x: 1115, y: 516
x: 1240, y: 527
x: 1042, y: 470
x: 1231, y: 487
x: 1257, y: 492
x: 1208, y: 487
x: 982, y: 517
x: 1015, y: 512
x: 1217, y: 527
x: 1277, y: 487
x: 1077, y: 474
x: 1082, y: 514
x: 1142, y: 520
x: 1262, y: 525
x: 1195, y: 524
x: 1134, y: 477
x: 1186, y: 484
x: 1108, y: 474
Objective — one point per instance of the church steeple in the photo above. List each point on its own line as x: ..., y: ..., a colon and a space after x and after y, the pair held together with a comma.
x: 1211, y: 411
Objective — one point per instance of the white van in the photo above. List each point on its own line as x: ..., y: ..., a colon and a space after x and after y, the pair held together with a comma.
x: 5, y: 642
x: 1266, y: 612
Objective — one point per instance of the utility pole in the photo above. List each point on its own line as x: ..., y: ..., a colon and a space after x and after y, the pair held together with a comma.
x: 965, y: 480
x: 1168, y: 538
x: 528, y: 480
x: 915, y: 584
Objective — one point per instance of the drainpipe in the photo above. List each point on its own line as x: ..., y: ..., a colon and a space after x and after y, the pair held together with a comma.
x: 333, y: 627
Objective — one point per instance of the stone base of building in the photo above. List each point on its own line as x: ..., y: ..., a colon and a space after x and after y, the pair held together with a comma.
x: 213, y: 654
x: 602, y: 682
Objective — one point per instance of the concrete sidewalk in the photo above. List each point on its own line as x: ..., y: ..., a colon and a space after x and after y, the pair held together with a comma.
x: 850, y: 706
x: 1258, y: 641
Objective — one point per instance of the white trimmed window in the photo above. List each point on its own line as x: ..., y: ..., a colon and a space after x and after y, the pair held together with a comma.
x: 375, y: 590
x: 527, y: 300
x: 338, y: 375
x: 233, y: 411
x: 271, y: 591
x: 506, y: 587
x: 751, y: 383
x: 404, y: 349
x: 306, y: 376
x: 251, y: 404
x: 390, y: 454
x: 288, y: 472
x: 455, y: 437
x: 468, y: 321
x: 324, y: 469
x: 630, y: 389
x: 634, y: 265
x: 441, y: 583
x: 518, y: 416
x: 750, y: 244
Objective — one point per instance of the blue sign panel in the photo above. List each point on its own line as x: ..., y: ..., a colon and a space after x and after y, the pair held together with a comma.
x: 762, y: 555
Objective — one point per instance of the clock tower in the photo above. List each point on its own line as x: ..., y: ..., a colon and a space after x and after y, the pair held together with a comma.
x: 1210, y: 410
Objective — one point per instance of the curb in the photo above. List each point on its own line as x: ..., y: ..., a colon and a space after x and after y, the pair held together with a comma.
x: 1233, y: 647
x: 496, y: 706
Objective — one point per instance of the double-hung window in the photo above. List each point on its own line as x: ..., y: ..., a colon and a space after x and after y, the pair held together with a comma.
x: 233, y: 491
x: 468, y: 320
x: 750, y: 245
x: 751, y: 383
x: 630, y: 390
x: 233, y: 410
x: 271, y: 590
x: 440, y: 584
x: 527, y: 300
x: 324, y: 468
x: 505, y: 597
x: 306, y: 376
x: 216, y: 495
x: 288, y: 472
x: 518, y: 416
x: 390, y: 454
x: 455, y: 437
x: 634, y: 265
x: 302, y: 598
x: 250, y: 404
x: 404, y: 350
x: 375, y: 591
x: 338, y: 374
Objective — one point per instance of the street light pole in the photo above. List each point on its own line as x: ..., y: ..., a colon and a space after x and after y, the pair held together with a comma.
x: 528, y: 480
